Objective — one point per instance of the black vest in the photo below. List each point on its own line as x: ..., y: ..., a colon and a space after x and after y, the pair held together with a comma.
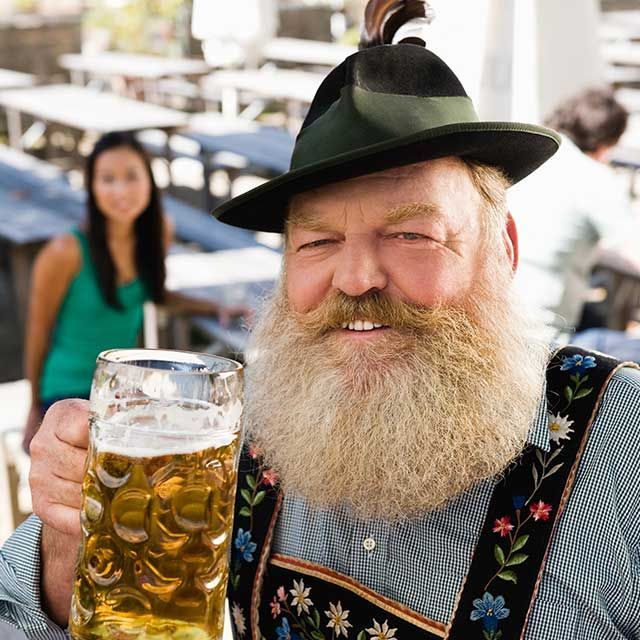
x: 278, y: 597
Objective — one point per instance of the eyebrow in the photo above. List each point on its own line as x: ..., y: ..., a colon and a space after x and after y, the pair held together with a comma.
x: 306, y: 221
x: 413, y: 210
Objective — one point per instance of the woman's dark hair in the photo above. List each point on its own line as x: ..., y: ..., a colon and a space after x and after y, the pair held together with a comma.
x: 148, y: 227
x: 591, y: 119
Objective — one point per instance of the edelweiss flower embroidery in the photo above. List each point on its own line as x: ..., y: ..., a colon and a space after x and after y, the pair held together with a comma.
x: 559, y: 427
x: 381, y: 631
x: 238, y: 619
x: 300, y: 596
x: 338, y: 619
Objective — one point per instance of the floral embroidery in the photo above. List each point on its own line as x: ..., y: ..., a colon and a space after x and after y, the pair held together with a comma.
x: 577, y: 363
x: 306, y: 626
x: 540, y: 510
x: 381, y: 632
x: 509, y: 556
x: 269, y: 477
x: 503, y: 526
x: 338, y: 619
x: 244, y: 545
x: 238, y: 619
x: 254, y: 451
x: 300, y: 596
x: 490, y: 610
x: 284, y: 631
x: 252, y: 496
x: 559, y: 427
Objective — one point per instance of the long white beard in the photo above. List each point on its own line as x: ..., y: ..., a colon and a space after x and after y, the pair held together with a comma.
x: 396, y: 429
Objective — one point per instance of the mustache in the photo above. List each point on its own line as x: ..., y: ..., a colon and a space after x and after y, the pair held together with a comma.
x: 339, y: 308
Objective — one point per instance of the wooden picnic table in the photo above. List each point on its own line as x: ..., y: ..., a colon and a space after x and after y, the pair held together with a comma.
x: 234, y: 145
x: 129, y: 65
x: 269, y: 84
x: 83, y: 109
x: 622, y: 53
x: 306, y: 52
x: 15, y: 79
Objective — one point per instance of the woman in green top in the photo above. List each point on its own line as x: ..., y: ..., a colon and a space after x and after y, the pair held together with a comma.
x: 89, y: 286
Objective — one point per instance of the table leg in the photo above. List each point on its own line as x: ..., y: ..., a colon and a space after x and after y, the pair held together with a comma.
x: 14, y: 124
x: 230, y: 102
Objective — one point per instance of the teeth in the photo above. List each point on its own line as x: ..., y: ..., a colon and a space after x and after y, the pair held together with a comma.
x: 361, y: 325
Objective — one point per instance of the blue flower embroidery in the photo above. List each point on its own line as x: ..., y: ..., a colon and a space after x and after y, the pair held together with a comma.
x: 284, y: 631
x: 489, y: 610
x: 244, y: 545
x: 577, y: 363
x: 518, y: 502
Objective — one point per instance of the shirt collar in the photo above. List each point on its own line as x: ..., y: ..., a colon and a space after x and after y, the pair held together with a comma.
x: 539, y: 431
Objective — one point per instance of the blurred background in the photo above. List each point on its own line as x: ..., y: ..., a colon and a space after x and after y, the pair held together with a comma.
x: 215, y: 93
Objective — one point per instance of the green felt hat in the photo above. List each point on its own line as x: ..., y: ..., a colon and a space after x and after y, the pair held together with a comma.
x: 383, y: 107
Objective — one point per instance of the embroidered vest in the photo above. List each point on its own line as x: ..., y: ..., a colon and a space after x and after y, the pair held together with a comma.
x: 276, y: 597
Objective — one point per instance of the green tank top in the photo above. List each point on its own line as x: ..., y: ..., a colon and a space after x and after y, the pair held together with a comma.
x: 85, y: 326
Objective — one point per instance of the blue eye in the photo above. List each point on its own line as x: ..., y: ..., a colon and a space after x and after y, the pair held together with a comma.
x: 408, y: 235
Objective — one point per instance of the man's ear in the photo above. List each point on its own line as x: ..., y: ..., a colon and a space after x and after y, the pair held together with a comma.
x: 510, y: 239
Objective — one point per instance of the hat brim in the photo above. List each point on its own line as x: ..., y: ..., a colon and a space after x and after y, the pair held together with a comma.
x: 517, y: 149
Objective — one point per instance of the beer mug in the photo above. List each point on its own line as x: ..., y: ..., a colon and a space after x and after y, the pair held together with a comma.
x: 158, y: 497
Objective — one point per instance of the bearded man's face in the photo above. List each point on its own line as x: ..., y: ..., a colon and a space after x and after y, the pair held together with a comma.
x: 392, y: 370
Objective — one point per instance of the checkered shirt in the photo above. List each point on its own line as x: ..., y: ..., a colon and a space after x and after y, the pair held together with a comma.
x: 590, y: 589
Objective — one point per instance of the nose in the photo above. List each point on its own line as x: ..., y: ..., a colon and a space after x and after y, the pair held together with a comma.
x: 358, y: 269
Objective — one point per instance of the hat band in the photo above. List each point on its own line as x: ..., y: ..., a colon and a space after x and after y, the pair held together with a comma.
x: 361, y: 118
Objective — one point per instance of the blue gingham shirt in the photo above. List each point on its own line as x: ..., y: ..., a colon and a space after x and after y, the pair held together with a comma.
x: 590, y: 588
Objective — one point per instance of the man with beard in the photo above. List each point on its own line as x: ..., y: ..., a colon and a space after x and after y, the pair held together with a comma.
x: 417, y: 466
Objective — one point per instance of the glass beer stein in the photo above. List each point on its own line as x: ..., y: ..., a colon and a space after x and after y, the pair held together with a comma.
x: 158, y: 497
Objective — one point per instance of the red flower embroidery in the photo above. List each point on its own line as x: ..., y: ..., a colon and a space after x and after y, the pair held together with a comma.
x: 503, y: 526
x: 540, y: 510
x: 270, y: 477
x: 275, y: 608
x: 282, y: 596
x: 254, y: 452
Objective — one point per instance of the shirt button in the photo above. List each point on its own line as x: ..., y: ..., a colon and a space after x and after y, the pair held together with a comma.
x: 369, y: 544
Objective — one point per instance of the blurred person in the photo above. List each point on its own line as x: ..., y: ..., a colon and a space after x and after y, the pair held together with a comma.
x: 88, y: 287
x: 570, y: 208
x: 418, y: 465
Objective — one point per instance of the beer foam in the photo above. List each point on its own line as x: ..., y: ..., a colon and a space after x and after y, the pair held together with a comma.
x: 156, y: 429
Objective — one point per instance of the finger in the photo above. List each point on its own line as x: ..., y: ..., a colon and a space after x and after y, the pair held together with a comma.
x: 61, y: 518
x: 71, y: 419
x: 67, y: 493
x: 52, y: 456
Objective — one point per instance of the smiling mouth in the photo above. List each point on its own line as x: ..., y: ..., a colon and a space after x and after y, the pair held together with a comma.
x: 362, y: 325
